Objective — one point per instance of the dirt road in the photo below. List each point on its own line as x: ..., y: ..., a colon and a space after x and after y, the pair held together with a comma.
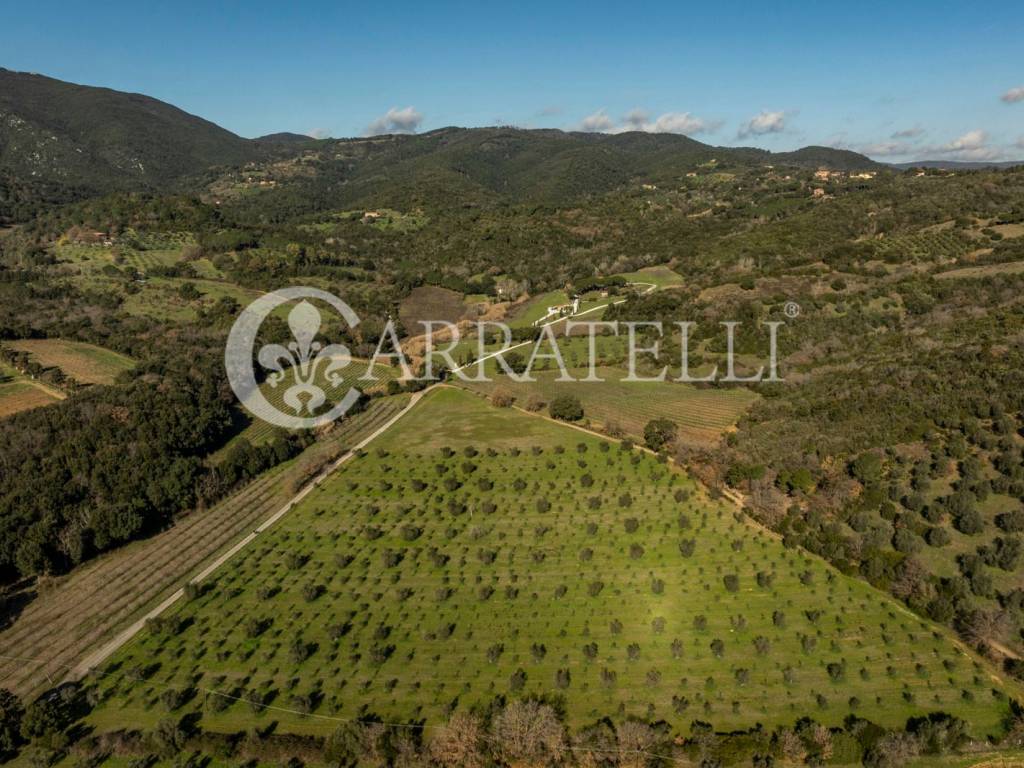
x: 76, y: 615
x: 100, y: 655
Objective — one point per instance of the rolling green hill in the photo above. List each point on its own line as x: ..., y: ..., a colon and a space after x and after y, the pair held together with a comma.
x: 60, y: 141
x: 64, y: 131
x: 481, y: 165
x: 434, y: 574
x: 64, y: 141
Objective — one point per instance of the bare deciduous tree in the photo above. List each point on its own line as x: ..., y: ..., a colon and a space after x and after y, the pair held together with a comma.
x: 635, y: 742
x: 791, y: 746
x: 528, y: 734
x: 595, y: 746
x: 822, y: 739
x: 502, y: 397
x: 460, y: 744
x: 984, y: 626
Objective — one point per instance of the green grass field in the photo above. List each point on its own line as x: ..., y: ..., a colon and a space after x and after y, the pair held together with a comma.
x: 661, y: 276
x: 516, y: 563
x: 536, y: 308
x: 702, y: 415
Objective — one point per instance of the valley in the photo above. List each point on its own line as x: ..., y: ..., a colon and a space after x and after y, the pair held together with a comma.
x: 820, y: 568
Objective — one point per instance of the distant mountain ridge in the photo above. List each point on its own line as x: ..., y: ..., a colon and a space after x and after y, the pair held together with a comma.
x: 60, y: 141
x: 964, y: 165
x: 285, y: 137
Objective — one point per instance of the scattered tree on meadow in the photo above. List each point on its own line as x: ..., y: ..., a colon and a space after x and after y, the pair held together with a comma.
x: 566, y: 408
x: 659, y: 433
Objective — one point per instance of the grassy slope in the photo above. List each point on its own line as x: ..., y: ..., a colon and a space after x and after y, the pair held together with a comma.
x: 260, y: 431
x: 701, y: 414
x: 87, y: 363
x: 537, y: 307
x: 440, y: 646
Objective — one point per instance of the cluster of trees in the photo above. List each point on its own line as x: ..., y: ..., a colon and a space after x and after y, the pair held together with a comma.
x: 115, y: 463
x: 848, y: 464
x: 503, y: 733
x: 43, y: 723
x: 105, y: 467
x: 24, y: 363
x: 565, y: 408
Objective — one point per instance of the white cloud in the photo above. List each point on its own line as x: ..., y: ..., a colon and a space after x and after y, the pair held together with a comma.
x: 973, y: 145
x: 908, y: 133
x: 636, y: 119
x: 683, y: 123
x: 599, y: 122
x: 763, y: 123
x: 971, y: 140
x: 395, y: 121
x: 884, y: 149
x: 1014, y: 95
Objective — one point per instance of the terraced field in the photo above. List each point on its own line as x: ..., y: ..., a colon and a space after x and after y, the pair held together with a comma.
x: 159, y: 297
x: 477, y: 552
x: 702, y: 415
x: 62, y: 623
x: 985, y: 270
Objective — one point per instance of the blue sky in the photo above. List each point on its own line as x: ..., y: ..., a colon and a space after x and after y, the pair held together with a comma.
x: 896, y: 80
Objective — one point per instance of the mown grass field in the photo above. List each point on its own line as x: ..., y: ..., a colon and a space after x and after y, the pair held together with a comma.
x: 531, y: 559
x: 536, y: 308
x: 661, y: 276
x: 86, y: 363
x: 702, y: 415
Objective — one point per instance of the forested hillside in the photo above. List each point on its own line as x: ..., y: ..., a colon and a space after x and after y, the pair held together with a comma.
x: 61, y: 141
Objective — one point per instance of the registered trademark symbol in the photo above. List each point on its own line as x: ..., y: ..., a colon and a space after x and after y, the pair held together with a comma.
x: 792, y: 309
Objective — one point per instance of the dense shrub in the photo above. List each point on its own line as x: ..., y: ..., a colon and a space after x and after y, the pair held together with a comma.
x: 566, y: 408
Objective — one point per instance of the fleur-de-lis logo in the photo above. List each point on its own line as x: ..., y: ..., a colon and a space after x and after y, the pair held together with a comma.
x: 306, y: 367
x: 303, y: 358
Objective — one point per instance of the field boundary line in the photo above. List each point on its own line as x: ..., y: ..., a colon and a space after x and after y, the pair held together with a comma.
x: 96, y: 658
